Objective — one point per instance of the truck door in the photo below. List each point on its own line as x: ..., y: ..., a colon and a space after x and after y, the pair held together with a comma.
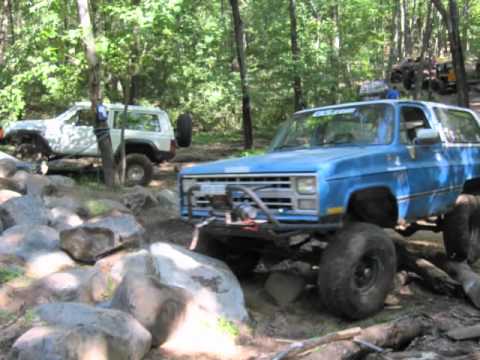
x: 427, y: 165
x: 461, y: 131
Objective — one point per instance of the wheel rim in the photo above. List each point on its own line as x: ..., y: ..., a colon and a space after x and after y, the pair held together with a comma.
x: 366, y: 272
x: 135, y: 173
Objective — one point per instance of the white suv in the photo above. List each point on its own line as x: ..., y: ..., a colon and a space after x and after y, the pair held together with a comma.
x: 149, y: 137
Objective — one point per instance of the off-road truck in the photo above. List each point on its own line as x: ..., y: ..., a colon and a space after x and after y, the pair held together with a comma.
x: 333, y: 179
x: 149, y: 137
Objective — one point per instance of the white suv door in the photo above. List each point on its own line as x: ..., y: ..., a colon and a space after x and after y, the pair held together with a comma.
x: 77, y: 136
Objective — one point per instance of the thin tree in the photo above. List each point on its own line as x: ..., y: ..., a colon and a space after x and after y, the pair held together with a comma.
x: 451, y: 21
x: 101, y: 127
x: 240, y: 45
x: 425, y: 42
x: 297, y: 81
x: 393, y: 54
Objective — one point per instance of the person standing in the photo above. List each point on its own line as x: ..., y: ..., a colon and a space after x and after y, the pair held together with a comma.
x: 393, y: 93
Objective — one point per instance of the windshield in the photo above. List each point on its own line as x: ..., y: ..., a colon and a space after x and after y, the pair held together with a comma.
x: 370, y: 124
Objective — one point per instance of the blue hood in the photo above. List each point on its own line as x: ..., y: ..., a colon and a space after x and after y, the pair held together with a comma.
x: 298, y: 161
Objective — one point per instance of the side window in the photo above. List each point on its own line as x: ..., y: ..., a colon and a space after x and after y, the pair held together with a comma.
x: 83, y: 117
x: 411, y: 119
x: 137, y: 121
x: 459, y: 126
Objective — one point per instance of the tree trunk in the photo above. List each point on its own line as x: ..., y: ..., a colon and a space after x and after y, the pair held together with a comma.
x: 240, y: 44
x: 425, y: 42
x: 466, y: 22
x: 457, y: 55
x: 134, y: 87
x: 401, y: 30
x: 395, y: 334
x: 393, y: 55
x: 297, y: 81
x: 3, y: 29
x: 431, y: 276
x: 101, y: 127
x: 450, y: 18
x: 11, y: 23
x: 406, y: 29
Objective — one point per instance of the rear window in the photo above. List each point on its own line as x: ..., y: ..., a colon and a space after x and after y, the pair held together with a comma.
x: 459, y: 126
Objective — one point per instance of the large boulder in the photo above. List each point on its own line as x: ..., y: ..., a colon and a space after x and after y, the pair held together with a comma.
x: 121, y: 331
x: 102, y: 207
x: 43, y: 263
x: 63, y: 218
x: 8, y: 167
x: 110, y: 271
x: 74, y: 343
x: 61, y: 182
x: 23, y: 240
x: 66, y: 202
x: 6, y: 195
x: 210, y: 282
x: 11, y: 184
x: 70, y: 285
x: 138, y: 199
x: 168, y: 199
x: 24, y: 210
x: 38, y: 247
x: 39, y: 185
x: 158, y: 307
x: 74, y: 284
x: 101, y: 236
x: 118, y: 265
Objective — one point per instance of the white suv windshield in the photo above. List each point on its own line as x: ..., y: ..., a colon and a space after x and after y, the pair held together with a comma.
x: 370, y: 124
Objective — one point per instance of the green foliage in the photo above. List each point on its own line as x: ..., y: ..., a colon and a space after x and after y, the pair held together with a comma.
x: 95, y: 207
x: 228, y: 327
x: 180, y: 55
x: 252, y: 152
x: 205, y: 138
x: 10, y: 273
x: 6, y: 316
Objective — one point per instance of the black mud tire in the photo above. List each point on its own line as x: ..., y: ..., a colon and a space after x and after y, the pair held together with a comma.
x: 184, y: 130
x: 356, y: 271
x: 139, y: 170
x: 28, y: 152
x: 242, y: 262
x: 461, y: 229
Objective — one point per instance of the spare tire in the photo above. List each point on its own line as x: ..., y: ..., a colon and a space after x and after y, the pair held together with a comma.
x: 184, y: 130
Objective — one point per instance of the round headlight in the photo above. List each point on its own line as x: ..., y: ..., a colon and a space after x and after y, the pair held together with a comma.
x: 306, y: 185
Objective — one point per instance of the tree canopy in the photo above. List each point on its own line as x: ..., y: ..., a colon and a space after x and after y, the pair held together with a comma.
x: 181, y: 55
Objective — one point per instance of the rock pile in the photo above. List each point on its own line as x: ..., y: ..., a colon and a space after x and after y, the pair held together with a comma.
x: 90, y: 285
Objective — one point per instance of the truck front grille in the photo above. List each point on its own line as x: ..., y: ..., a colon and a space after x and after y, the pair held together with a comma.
x: 282, y: 182
x: 276, y: 191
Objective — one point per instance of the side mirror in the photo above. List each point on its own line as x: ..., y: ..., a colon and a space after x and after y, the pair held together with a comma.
x: 427, y: 137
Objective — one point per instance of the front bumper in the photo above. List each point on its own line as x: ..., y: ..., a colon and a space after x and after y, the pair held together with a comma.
x: 267, y: 221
